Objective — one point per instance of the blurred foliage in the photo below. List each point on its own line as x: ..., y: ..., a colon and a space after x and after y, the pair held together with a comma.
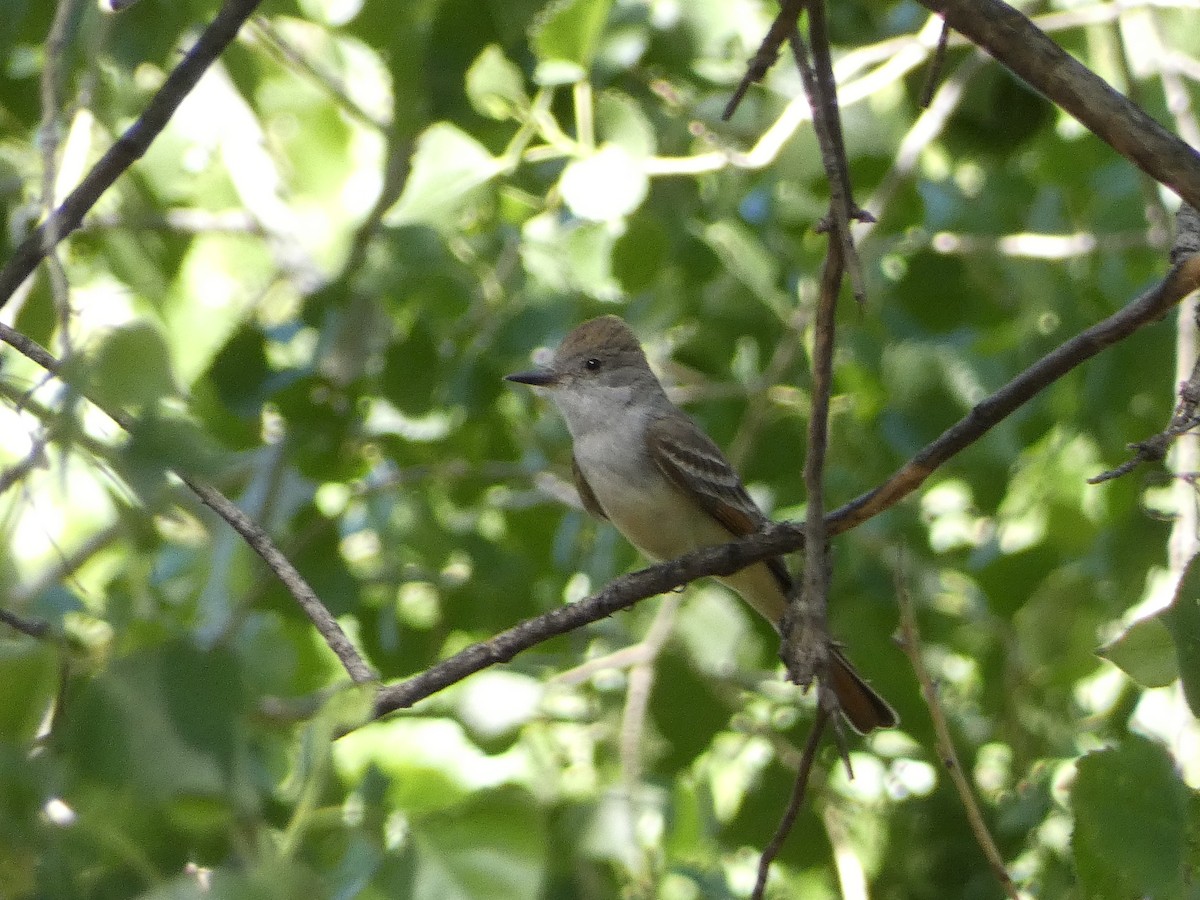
x: 334, y: 361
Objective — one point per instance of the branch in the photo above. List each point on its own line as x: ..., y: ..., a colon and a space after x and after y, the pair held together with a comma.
x: 129, y: 147
x: 1183, y: 278
x: 258, y: 540
x: 787, y: 537
x: 805, y: 651
x: 911, y: 644
x: 35, y: 628
x: 1154, y: 449
x: 1013, y: 40
x: 619, y: 594
x: 793, y: 808
x: 768, y: 52
x: 820, y: 88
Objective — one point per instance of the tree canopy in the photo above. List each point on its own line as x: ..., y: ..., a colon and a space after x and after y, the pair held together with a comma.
x: 298, y: 596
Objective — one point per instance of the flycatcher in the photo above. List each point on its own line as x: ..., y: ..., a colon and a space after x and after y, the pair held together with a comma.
x: 642, y: 464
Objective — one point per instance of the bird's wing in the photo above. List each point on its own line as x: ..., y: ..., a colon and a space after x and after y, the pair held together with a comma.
x: 586, y: 495
x: 694, y: 464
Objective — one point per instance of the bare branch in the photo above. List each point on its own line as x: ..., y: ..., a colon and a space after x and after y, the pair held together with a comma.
x: 820, y: 87
x: 805, y: 648
x: 787, y: 537
x: 1012, y: 39
x: 619, y: 594
x: 911, y: 643
x: 1151, y: 306
x: 258, y: 540
x: 129, y: 147
x: 35, y: 628
x: 793, y: 808
x: 768, y: 52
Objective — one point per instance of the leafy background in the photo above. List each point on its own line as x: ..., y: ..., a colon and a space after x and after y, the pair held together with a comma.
x: 309, y: 290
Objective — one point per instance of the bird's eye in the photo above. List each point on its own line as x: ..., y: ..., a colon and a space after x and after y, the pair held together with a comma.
x: 592, y: 364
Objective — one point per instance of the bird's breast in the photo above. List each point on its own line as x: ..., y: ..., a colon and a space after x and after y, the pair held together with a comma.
x: 655, y: 515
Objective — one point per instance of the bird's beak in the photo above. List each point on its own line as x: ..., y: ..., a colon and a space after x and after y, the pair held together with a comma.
x: 538, y: 378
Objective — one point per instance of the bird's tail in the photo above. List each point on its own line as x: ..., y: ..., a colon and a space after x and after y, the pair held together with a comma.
x: 863, y: 708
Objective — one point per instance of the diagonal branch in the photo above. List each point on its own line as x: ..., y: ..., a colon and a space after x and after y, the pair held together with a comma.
x: 768, y: 52
x: 258, y: 540
x: 1183, y: 278
x: 799, y: 788
x: 129, y: 147
x: 787, y: 537
x: 911, y: 644
x: 1012, y: 39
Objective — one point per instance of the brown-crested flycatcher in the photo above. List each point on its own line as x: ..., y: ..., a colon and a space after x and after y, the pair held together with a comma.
x: 643, y: 465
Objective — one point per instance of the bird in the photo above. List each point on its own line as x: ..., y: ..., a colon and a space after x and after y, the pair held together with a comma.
x: 642, y: 464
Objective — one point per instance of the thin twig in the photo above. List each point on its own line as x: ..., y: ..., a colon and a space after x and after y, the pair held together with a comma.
x: 805, y: 650
x: 923, y: 132
x: 911, y: 643
x: 799, y: 786
x: 768, y: 52
x: 821, y: 90
x: 251, y: 532
x: 56, y: 44
x: 260, y: 542
x: 35, y: 628
x: 933, y: 78
x: 129, y: 147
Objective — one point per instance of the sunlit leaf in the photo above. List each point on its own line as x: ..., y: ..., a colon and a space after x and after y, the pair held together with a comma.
x: 495, y: 85
x: 1145, y: 652
x: 129, y: 367
x: 565, y: 37
x: 447, y: 168
x: 605, y: 186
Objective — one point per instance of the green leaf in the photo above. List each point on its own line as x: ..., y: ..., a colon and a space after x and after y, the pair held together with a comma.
x: 164, y: 724
x: 493, y: 846
x: 1144, y: 652
x: 747, y: 259
x: 1182, y: 619
x: 129, y: 367
x: 431, y: 764
x: 608, y: 185
x: 448, y: 166
x: 29, y: 673
x: 1130, y: 822
x: 565, y: 37
x: 619, y: 120
x: 570, y: 256
x: 495, y: 86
